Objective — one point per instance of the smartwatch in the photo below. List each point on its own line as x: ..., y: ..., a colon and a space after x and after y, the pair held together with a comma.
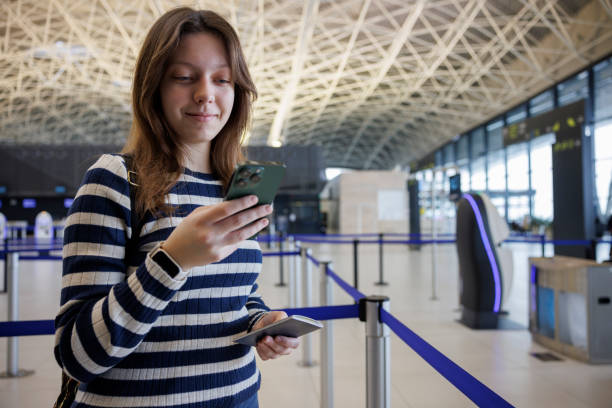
x: 164, y: 260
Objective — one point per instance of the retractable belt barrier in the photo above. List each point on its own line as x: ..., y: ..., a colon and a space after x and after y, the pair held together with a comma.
x: 475, y: 390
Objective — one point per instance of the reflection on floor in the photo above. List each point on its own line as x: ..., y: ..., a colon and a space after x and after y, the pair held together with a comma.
x: 500, y: 359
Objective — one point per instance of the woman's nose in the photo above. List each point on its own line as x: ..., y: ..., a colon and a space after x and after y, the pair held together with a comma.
x: 203, y: 93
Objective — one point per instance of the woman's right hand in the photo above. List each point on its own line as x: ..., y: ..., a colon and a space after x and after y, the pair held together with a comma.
x: 211, y: 233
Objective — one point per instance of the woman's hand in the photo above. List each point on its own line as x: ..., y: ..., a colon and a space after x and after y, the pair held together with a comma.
x: 272, y: 347
x: 213, y: 232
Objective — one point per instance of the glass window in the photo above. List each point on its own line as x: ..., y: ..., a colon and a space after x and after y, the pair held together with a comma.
x: 462, y: 147
x: 542, y: 177
x: 479, y: 174
x: 496, y: 181
x: 518, y: 182
x: 518, y: 210
x: 464, y: 170
x: 449, y: 153
x: 573, y: 89
x: 603, y: 167
x: 541, y: 103
x: 478, y: 142
x: 516, y: 115
x: 495, y: 135
x: 603, y: 90
x: 438, y: 158
x: 497, y: 172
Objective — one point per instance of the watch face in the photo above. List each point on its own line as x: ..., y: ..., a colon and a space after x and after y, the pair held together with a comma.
x: 163, y: 260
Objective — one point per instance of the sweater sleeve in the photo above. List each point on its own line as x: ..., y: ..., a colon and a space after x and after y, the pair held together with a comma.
x: 104, y: 313
x: 256, y: 307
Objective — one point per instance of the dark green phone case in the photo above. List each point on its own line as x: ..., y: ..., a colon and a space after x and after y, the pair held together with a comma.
x: 259, y: 178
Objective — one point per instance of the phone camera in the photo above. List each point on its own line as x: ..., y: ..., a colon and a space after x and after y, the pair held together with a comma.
x: 245, y: 173
x: 255, y: 178
x: 242, y: 183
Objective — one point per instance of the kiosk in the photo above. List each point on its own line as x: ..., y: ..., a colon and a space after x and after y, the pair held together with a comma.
x: 485, y: 268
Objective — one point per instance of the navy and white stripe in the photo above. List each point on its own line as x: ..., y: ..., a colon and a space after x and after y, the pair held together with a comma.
x: 132, y: 335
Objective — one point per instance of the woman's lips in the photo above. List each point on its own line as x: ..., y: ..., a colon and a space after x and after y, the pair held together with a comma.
x: 201, y: 117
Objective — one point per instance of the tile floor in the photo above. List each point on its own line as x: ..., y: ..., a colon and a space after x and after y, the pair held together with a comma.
x: 500, y: 359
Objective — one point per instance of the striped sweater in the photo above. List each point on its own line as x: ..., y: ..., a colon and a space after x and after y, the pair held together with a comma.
x: 132, y: 335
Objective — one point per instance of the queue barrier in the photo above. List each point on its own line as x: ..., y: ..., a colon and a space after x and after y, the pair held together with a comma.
x: 373, y: 310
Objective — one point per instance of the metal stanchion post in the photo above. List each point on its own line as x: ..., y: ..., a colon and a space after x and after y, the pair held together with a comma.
x: 327, y: 342
x: 543, y: 244
x: 434, y: 236
x: 356, y: 263
x: 306, y: 302
x: 12, y: 354
x: 381, y: 281
x: 297, y: 274
x: 281, y: 262
x: 291, y: 272
x: 5, y: 287
x: 271, y: 234
x: 378, y: 362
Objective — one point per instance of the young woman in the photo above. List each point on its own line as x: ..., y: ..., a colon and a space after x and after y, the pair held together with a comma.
x: 155, y: 288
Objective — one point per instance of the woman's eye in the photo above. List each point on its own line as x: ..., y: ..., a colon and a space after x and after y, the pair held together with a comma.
x: 182, y: 78
x: 223, y: 81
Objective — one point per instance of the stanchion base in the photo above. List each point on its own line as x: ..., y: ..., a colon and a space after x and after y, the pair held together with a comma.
x: 303, y: 364
x: 381, y: 283
x: 282, y: 285
x: 433, y: 298
x: 20, y: 373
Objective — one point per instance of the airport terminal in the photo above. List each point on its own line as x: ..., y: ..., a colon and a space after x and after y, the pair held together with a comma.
x: 440, y: 181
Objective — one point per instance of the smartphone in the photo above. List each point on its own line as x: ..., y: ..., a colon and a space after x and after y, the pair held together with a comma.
x: 259, y: 178
x: 292, y: 326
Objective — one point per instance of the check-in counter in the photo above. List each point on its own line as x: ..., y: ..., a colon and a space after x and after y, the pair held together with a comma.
x: 569, y: 307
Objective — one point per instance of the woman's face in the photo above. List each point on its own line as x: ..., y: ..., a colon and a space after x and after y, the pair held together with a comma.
x: 197, y: 90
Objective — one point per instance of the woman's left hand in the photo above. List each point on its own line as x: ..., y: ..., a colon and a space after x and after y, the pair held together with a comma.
x: 272, y: 347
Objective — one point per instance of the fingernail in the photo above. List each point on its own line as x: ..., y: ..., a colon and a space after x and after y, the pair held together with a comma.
x: 253, y: 199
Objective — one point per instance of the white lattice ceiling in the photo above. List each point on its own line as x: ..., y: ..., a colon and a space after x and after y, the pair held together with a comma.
x: 374, y: 82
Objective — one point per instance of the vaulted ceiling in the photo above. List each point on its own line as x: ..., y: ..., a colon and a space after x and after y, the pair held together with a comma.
x: 375, y: 83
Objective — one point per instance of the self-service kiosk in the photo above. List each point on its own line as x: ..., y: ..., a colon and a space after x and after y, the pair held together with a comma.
x: 43, y: 225
x: 485, y: 268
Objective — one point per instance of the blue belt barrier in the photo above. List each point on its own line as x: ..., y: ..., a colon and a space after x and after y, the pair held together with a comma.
x: 27, y: 328
x: 292, y: 253
x: 479, y: 393
x: 313, y: 260
x: 326, y: 312
x: 40, y: 258
x: 354, y: 293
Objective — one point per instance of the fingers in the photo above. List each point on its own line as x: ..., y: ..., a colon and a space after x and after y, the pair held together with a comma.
x: 226, y: 209
x: 271, y: 348
x: 243, y: 225
x: 243, y: 218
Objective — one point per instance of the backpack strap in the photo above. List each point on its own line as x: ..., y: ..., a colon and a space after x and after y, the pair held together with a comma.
x: 137, y: 221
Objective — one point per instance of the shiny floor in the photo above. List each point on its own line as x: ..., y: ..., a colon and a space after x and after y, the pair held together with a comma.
x: 500, y: 359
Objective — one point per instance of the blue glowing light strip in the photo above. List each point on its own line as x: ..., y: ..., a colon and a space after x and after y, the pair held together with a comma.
x: 485, y: 241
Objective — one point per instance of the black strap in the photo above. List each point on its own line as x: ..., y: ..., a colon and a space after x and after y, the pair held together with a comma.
x: 137, y: 221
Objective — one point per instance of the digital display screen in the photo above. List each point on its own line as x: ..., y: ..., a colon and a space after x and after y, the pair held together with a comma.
x: 60, y: 189
x: 29, y: 203
x: 68, y: 202
x: 455, y: 187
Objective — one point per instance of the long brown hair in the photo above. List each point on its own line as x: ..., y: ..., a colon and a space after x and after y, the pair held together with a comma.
x: 153, y: 145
